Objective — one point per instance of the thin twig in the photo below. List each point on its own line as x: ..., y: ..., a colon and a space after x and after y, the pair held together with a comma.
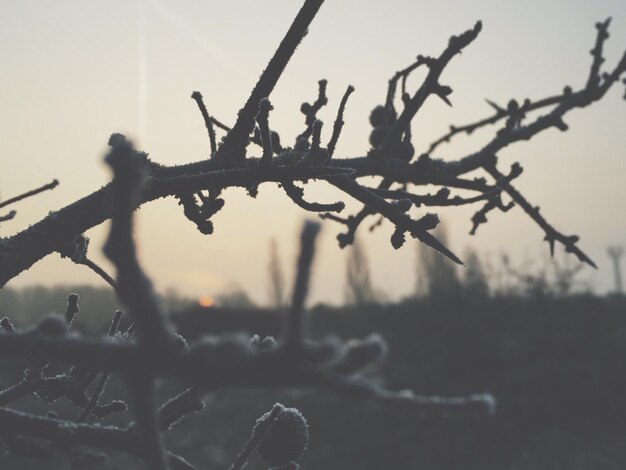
x: 266, y: 138
x: 551, y: 234
x: 296, y: 194
x: 99, y: 389
x: 41, y: 189
x: 100, y: 272
x: 430, y: 86
x: 8, y: 216
x: 208, y: 121
x: 255, y: 439
x: 339, y: 122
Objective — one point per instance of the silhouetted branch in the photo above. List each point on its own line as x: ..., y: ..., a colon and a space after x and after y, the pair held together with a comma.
x: 402, y: 75
x: 100, y: 272
x: 551, y: 234
x: 76, y: 251
x: 219, y: 124
x: 243, y: 177
x: 417, y: 228
x: 171, y: 412
x: 495, y: 201
x: 500, y: 113
x: 430, y: 86
x: 341, y: 220
x: 19, y: 252
x: 296, y: 194
x: 514, y: 131
x: 391, y: 130
x: 237, y: 139
x: 339, y: 122
x: 58, y: 430
x: 310, y: 113
x: 28, y: 194
x: 603, y: 34
x: 480, y: 217
x: 104, y: 377
x: 441, y: 198
x: 8, y: 216
x: 208, y: 122
x: 266, y: 138
x: 593, y: 86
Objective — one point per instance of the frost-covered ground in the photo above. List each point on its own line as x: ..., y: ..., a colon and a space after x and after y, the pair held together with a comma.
x: 558, y: 369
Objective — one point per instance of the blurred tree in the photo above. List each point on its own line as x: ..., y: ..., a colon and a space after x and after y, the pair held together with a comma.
x: 10, y: 301
x: 566, y: 277
x: 276, y: 278
x: 475, y: 283
x: 538, y: 278
x: 234, y: 297
x: 436, y: 275
x: 359, y: 290
x: 616, y: 253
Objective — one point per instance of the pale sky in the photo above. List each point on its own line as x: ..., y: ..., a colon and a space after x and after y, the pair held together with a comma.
x: 74, y: 71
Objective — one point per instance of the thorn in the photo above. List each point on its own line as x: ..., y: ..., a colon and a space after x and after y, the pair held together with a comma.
x: 494, y: 106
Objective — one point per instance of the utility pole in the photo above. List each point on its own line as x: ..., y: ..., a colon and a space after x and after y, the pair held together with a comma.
x: 616, y: 253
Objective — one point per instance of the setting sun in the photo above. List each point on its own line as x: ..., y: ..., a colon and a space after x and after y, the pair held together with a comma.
x: 206, y: 301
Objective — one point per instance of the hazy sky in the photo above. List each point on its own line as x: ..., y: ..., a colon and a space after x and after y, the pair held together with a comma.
x: 73, y: 72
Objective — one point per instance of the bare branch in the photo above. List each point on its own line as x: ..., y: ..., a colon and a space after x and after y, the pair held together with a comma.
x: 28, y: 194
x: 266, y: 138
x: 237, y: 139
x: 417, y: 228
x: 441, y: 198
x: 339, y: 122
x: 8, y: 216
x: 100, y: 386
x: 603, y: 34
x: 20, y: 251
x: 296, y: 194
x: 171, y: 412
x: 208, y: 121
x: 430, y: 86
x: 310, y: 113
x: 500, y: 113
x: 551, y: 234
x: 26, y: 424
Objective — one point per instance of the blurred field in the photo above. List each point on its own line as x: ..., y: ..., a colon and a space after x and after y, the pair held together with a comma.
x: 557, y: 368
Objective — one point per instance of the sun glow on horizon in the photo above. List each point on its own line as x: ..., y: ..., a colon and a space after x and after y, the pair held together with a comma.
x: 206, y: 301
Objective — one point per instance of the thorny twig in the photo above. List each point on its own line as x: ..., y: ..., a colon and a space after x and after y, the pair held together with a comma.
x: 20, y: 251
